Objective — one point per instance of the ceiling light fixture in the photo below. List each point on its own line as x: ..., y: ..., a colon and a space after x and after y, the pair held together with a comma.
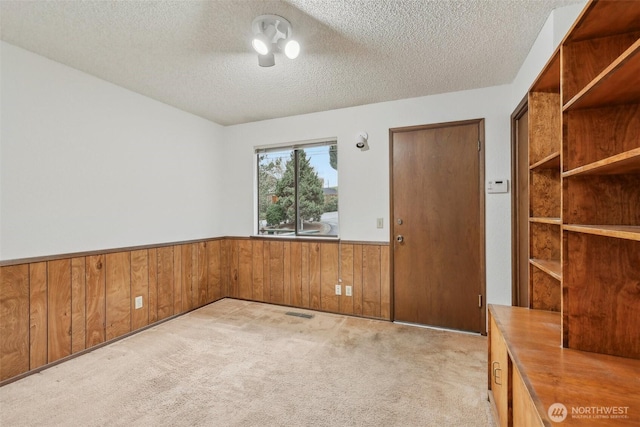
x: 272, y: 33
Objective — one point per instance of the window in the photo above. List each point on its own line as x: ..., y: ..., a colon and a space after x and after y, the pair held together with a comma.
x: 298, y: 190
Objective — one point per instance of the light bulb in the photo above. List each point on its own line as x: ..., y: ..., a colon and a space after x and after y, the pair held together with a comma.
x: 292, y: 49
x: 260, y: 44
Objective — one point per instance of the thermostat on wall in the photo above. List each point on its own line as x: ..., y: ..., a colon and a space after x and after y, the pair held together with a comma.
x: 498, y: 186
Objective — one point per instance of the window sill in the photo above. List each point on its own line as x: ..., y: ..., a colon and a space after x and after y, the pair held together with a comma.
x: 296, y: 238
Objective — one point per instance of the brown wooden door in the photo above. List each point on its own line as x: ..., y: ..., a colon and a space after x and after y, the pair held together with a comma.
x: 437, y: 208
x: 521, y: 214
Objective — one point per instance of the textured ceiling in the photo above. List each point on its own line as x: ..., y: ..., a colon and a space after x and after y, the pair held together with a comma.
x: 197, y: 56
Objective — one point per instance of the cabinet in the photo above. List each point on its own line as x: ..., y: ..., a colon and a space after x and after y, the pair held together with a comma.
x: 594, y: 389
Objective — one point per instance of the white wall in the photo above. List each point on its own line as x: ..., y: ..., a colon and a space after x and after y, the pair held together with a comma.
x: 555, y: 28
x: 364, y: 176
x: 87, y: 165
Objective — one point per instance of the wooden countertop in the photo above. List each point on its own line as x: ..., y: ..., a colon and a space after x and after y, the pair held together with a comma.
x: 588, y: 384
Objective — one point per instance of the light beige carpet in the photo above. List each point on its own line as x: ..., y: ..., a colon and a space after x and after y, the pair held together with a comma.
x: 238, y: 363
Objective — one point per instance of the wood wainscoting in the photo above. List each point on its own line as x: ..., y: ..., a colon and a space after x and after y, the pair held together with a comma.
x: 304, y: 274
x: 54, y: 307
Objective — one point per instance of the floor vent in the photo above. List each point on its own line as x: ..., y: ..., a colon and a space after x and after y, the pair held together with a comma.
x: 304, y: 315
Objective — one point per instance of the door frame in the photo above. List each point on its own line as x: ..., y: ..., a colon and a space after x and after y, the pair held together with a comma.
x: 481, y: 161
x: 517, y: 114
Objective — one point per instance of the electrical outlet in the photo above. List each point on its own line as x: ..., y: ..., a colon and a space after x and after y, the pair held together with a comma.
x: 347, y: 290
x: 138, y: 302
x: 338, y: 289
x: 380, y: 222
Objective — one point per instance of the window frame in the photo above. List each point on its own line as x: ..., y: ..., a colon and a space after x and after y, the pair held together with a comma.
x: 297, y: 146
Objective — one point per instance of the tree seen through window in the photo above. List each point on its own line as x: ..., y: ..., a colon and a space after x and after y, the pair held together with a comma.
x: 298, y: 191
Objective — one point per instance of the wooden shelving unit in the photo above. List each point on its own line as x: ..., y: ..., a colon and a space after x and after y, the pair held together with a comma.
x: 584, y: 232
x: 545, y: 146
x: 601, y: 180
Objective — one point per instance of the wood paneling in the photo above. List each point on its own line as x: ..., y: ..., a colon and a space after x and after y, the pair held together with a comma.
x: 214, y: 285
x: 62, y: 306
x: 181, y: 278
x: 358, y: 268
x: 118, y: 296
x: 329, y: 277
x: 186, y: 279
x: 286, y: 255
x: 314, y: 276
x: 225, y: 267
x: 245, y: 269
x: 296, y: 274
x: 14, y: 320
x: 139, y: 287
x: 96, y: 305
x: 385, y: 283
x: 304, y: 275
x: 371, y: 281
x: 266, y: 272
x: 200, y: 275
x: 276, y: 272
x: 165, y: 281
x: 234, y: 265
x: 78, y: 304
x: 153, y: 285
x: 59, y: 309
x: 37, y: 314
x: 346, y: 271
x: 257, y: 270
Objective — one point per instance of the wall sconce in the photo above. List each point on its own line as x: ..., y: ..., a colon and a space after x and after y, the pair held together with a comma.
x: 272, y: 33
x: 362, y: 141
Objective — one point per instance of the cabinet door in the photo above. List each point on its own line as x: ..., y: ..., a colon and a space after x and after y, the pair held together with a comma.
x: 500, y: 373
x: 524, y: 412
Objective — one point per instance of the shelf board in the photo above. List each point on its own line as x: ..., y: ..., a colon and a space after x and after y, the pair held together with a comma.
x: 619, y: 83
x: 611, y: 18
x: 552, y: 161
x: 545, y: 220
x: 624, y: 163
x: 551, y: 267
x: 630, y: 232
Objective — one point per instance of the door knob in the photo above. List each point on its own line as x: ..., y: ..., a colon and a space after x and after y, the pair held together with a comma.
x: 399, y: 238
x: 399, y: 221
